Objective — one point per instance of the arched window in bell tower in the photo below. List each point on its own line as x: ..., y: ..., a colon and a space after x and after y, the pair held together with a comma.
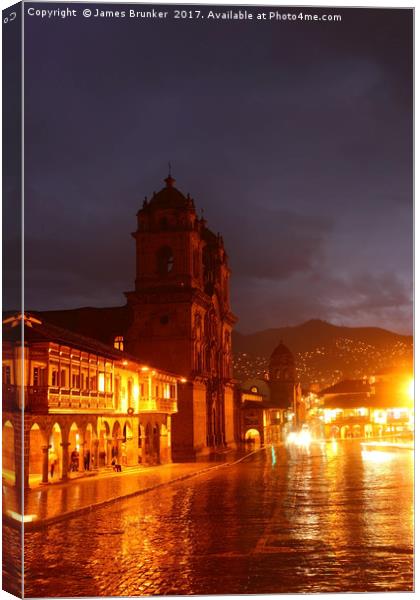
x: 165, y: 260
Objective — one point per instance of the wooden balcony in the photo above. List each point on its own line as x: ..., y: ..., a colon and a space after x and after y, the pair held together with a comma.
x: 80, y: 400
x: 158, y: 405
x: 166, y: 405
x: 42, y: 400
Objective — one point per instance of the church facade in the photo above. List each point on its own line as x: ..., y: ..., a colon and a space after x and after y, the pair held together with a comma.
x: 182, y: 319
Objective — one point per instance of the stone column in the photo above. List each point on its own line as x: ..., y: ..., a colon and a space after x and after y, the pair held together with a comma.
x: 95, y: 452
x: 81, y: 454
x: 45, y: 463
x: 65, y: 462
x: 108, y: 458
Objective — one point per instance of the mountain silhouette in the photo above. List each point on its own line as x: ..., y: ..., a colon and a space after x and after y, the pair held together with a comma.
x: 324, y: 352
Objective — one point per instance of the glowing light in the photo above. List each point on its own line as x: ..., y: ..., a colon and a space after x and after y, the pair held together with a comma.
x: 144, y: 369
x: 377, y: 456
x: 18, y: 517
x: 379, y: 416
x: 302, y: 438
x: 410, y: 389
x: 136, y: 391
x: 125, y: 363
x: 388, y: 445
x: 273, y: 456
x: 183, y: 380
x: 101, y: 382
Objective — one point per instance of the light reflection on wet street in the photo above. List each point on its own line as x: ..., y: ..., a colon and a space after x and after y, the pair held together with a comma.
x: 333, y: 519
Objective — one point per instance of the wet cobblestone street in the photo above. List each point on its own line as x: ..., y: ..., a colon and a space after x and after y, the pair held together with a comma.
x: 333, y: 519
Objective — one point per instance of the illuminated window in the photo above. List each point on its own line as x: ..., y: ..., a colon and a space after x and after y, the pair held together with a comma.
x: 101, y: 382
x: 166, y: 391
x: 119, y: 342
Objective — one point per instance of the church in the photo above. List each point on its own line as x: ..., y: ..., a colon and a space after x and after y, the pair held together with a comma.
x: 177, y: 318
x: 270, y: 407
x: 182, y: 319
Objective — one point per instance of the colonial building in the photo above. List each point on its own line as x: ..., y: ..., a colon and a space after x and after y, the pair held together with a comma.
x: 181, y: 316
x: 83, y: 405
x: 374, y: 406
x: 178, y: 318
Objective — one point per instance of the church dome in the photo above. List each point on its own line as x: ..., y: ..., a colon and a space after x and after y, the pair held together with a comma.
x: 170, y: 197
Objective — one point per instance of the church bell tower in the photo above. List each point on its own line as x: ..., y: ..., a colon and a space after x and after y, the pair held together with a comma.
x: 182, y: 320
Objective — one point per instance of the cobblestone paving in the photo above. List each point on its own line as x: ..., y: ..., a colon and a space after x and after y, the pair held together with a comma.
x: 51, y: 501
x: 333, y: 519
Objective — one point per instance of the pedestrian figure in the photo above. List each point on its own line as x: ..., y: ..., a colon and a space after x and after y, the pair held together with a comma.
x: 115, y: 465
x: 53, y: 462
x: 74, y: 460
x: 87, y: 460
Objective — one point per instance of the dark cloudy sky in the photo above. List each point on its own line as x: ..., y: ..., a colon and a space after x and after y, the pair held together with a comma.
x: 295, y: 139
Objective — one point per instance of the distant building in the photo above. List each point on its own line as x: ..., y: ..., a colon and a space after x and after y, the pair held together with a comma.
x: 375, y: 406
x: 270, y: 407
x: 285, y: 390
x: 86, y: 404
